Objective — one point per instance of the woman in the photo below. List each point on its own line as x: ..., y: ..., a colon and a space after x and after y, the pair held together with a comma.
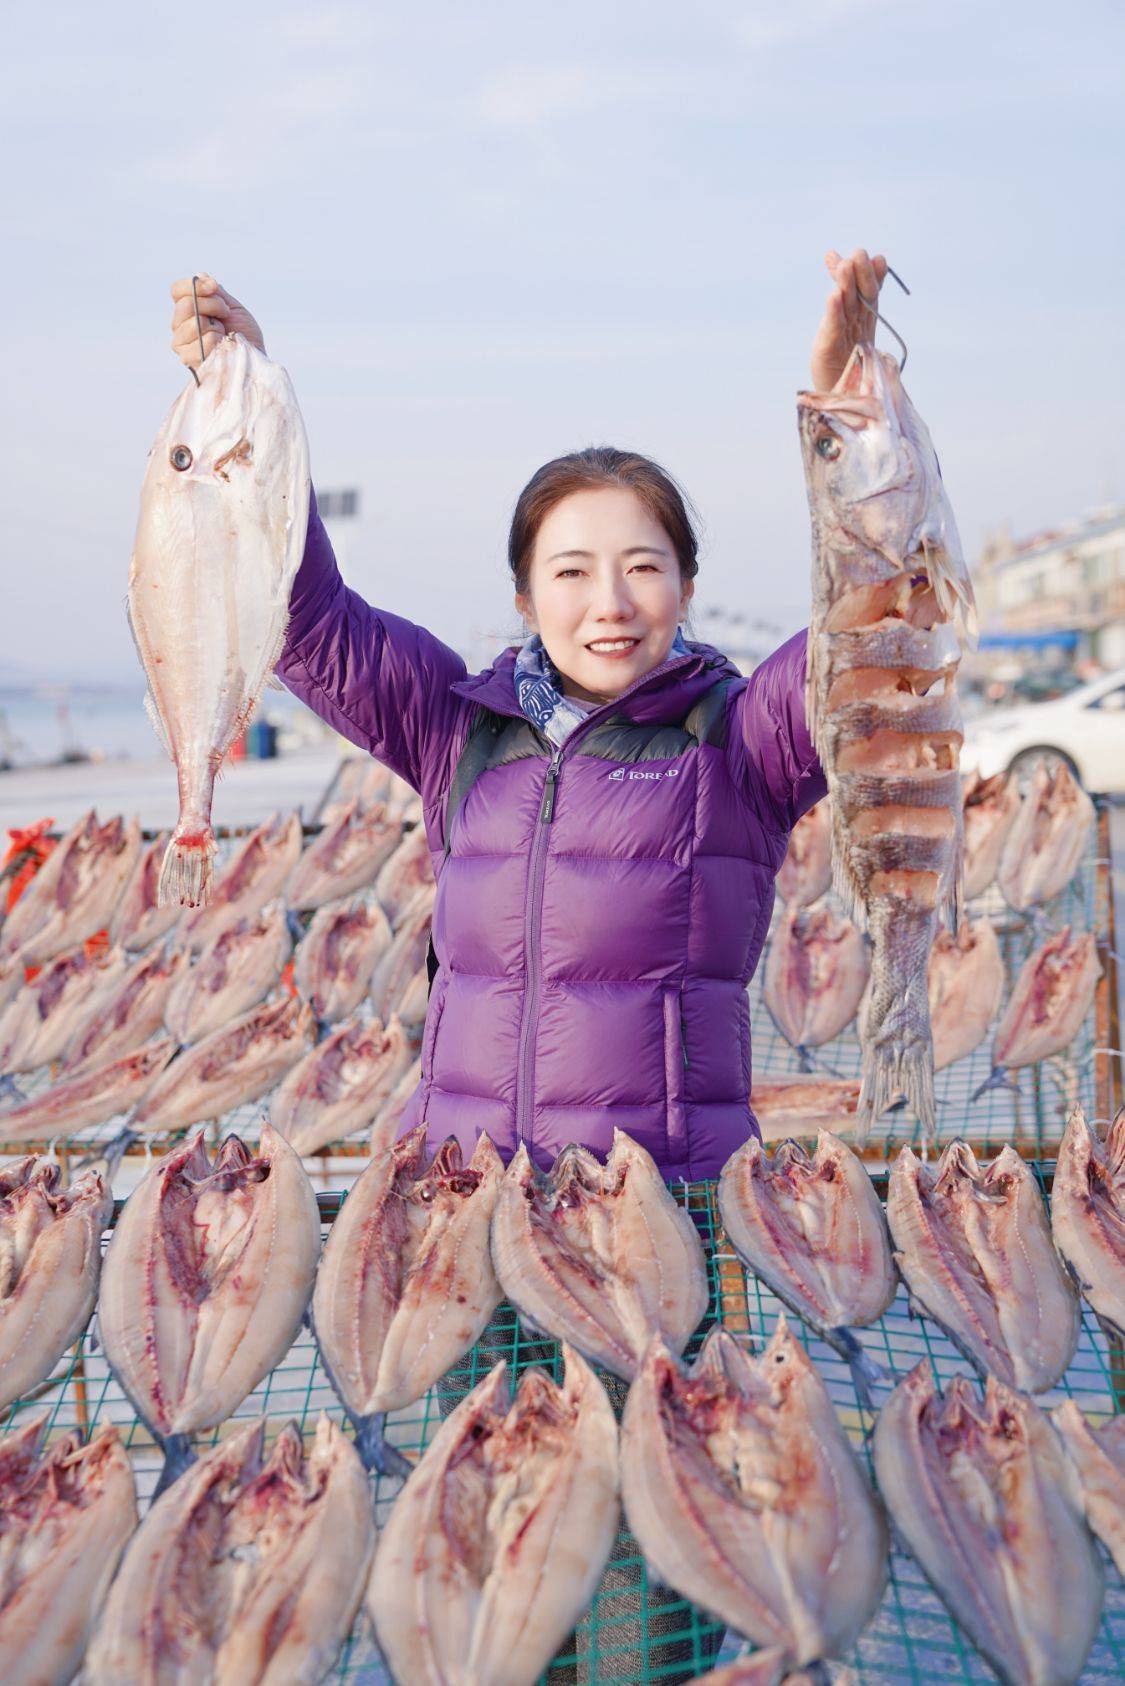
x: 607, y: 805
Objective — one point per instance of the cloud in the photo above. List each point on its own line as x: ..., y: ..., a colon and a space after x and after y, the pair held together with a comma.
x: 777, y: 23
x: 524, y: 96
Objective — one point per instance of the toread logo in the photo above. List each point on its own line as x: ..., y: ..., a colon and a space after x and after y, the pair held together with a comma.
x: 633, y: 773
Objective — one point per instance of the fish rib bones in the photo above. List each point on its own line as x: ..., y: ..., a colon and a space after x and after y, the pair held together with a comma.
x: 233, y: 1065
x: 1049, y: 1001
x: 240, y: 965
x: 336, y: 957
x: 816, y: 970
x: 339, y: 1086
x: 345, y: 856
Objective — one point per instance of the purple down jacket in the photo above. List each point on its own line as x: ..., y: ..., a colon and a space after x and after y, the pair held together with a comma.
x: 600, y: 908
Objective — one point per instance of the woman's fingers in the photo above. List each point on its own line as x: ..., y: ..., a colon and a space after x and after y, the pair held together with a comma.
x: 184, y: 309
x: 204, y: 285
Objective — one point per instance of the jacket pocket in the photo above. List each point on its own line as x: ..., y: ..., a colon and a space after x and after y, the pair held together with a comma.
x: 676, y: 1065
x: 433, y: 1020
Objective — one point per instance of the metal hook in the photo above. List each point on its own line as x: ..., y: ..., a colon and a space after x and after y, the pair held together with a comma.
x: 894, y: 331
x: 199, y: 327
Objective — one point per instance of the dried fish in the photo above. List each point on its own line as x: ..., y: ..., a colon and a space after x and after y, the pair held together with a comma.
x: 806, y: 872
x: 816, y: 971
x: 344, y: 857
x: 1050, y: 1000
x: 745, y: 1495
x: 93, y: 1095
x: 497, y: 1541
x: 415, y: 1002
x: 130, y: 1012
x: 409, y: 870
x: 989, y: 807
x: 337, y: 955
x: 975, y: 1250
x: 892, y: 614
x: 246, y: 1573
x: 388, y: 1120
x: 363, y: 781
x: 237, y: 968
x: 1097, y: 1452
x: 600, y: 1256
x: 340, y: 1085
x: 206, y: 1279
x: 406, y: 1285
x: 1050, y: 835
x: 788, y: 1106
x: 813, y: 1230
x: 1088, y: 1213
x: 50, y: 1260
x: 66, y: 1511
x: 398, y: 967
x: 981, y: 1495
x: 138, y: 919
x: 254, y: 875
x: 75, y: 891
x: 43, y: 1016
x: 965, y: 982
x: 238, y: 1063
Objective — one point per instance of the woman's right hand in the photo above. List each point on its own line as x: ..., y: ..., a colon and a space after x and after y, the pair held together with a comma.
x: 219, y: 313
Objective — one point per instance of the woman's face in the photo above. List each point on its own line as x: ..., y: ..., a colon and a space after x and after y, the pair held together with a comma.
x: 604, y: 591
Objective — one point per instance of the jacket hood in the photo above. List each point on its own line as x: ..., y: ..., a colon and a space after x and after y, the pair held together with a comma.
x: 666, y: 694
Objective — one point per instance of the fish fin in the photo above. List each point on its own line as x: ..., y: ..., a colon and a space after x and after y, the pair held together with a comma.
x: 187, y: 874
x: 891, y: 1069
x: 379, y: 1457
x: 997, y: 1079
x: 866, y: 1373
x: 10, y: 1090
x: 178, y: 1456
x: 156, y: 723
x: 273, y: 683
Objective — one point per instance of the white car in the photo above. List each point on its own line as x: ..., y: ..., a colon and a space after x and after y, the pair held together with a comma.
x: 1086, y: 728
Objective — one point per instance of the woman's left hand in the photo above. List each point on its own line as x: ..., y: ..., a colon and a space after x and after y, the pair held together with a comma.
x: 846, y: 320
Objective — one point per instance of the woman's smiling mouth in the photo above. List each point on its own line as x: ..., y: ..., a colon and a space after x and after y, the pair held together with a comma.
x: 613, y: 646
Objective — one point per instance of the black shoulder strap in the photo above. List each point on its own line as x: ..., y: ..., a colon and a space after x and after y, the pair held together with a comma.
x: 707, y: 721
x: 471, y: 763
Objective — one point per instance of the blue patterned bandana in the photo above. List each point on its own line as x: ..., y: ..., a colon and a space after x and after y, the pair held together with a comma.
x: 539, y: 689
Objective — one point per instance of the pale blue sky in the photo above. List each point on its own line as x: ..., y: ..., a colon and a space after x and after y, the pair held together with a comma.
x: 480, y: 236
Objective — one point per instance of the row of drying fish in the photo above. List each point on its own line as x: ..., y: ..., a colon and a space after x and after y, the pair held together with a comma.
x: 1030, y: 847
x: 713, y: 1460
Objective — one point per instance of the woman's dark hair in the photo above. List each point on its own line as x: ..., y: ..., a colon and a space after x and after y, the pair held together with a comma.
x: 601, y: 465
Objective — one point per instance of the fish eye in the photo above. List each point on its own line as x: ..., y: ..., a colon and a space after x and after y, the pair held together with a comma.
x: 828, y: 446
x: 180, y: 458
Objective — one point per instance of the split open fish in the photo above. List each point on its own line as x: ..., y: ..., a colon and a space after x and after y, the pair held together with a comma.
x: 336, y: 957
x: 388, y: 1120
x: 1097, y: 1453
x: 406, y: 1284
x: 786, y: 1106
x: 345, y: 856
x: 892, y: 615
x: 813, y: 1230
x: 497, y: 1541
x: 45, y: 1014
x: 1049, y: 1001
x: 66, y: 1510
x: 415, y: 1001
x: 974, y: 1247
x: 220, y: 536
x: 1048, y: 839
x: 398, y: 966
x: 50, y: 1261
x: 981, y: 1495
x: 238, y: 1063
x: 92, y: 1095
x: 237, y: 968
x: 816, y: 971
x: 253, y: 876
x: 1088, y: 1213
x: 365, y: 781
x: 75, y: 891
x: 130, y: 1012
x: 806, y: 872
x: 208, y: 1274
x: 745, y: 1495
x: 989, y: 806
x: 409, y: 870
x: 248, y: 1572
x: 965, y: 983
x: 599, y: 1255
x: 339, y: 1086
x: 138, y: 919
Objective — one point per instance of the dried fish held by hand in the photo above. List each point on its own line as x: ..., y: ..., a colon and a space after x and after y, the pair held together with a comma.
x: 1048, y: 839
x: 339, y: 1086
x: 277, y: 1552
x: 498, y: 1539
x: 981, y: 1495
x: 974, y: 1248
x: 206, y: 1280
x: 806, y: 872
x: 1088, y: 1213
x: 220, y: 536
x: 600, y: 1256
x: 66, y: 1511
x: 336, y: 957
x: 816, y: 971
x: 236, y: 1064
x: 989, y: 807
x: 745, y: 1495
x: 50, y: 1261
x: 345, y: 857
x: 965, y: 983
x: 237, y: 968
x: 1097, y: 1452
x: 892, y: 614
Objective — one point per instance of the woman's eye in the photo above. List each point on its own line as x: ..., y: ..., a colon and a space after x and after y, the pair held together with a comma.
x: 180, y: 458
x: 828, y: 446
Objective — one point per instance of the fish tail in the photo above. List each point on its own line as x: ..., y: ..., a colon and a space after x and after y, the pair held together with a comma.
x: 188, y: 871
x: 378, y: 1455
x: 178, y: 1456
x: 891, y: 1070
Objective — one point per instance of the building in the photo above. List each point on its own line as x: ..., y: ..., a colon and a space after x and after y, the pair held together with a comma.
x: 1064, y: 589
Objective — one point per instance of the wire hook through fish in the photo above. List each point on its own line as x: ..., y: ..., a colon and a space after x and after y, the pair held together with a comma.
x: 199, y: 326
x: 875, y: 313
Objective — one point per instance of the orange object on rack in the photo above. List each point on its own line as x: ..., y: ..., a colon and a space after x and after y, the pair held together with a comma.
x: 28, y: 849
